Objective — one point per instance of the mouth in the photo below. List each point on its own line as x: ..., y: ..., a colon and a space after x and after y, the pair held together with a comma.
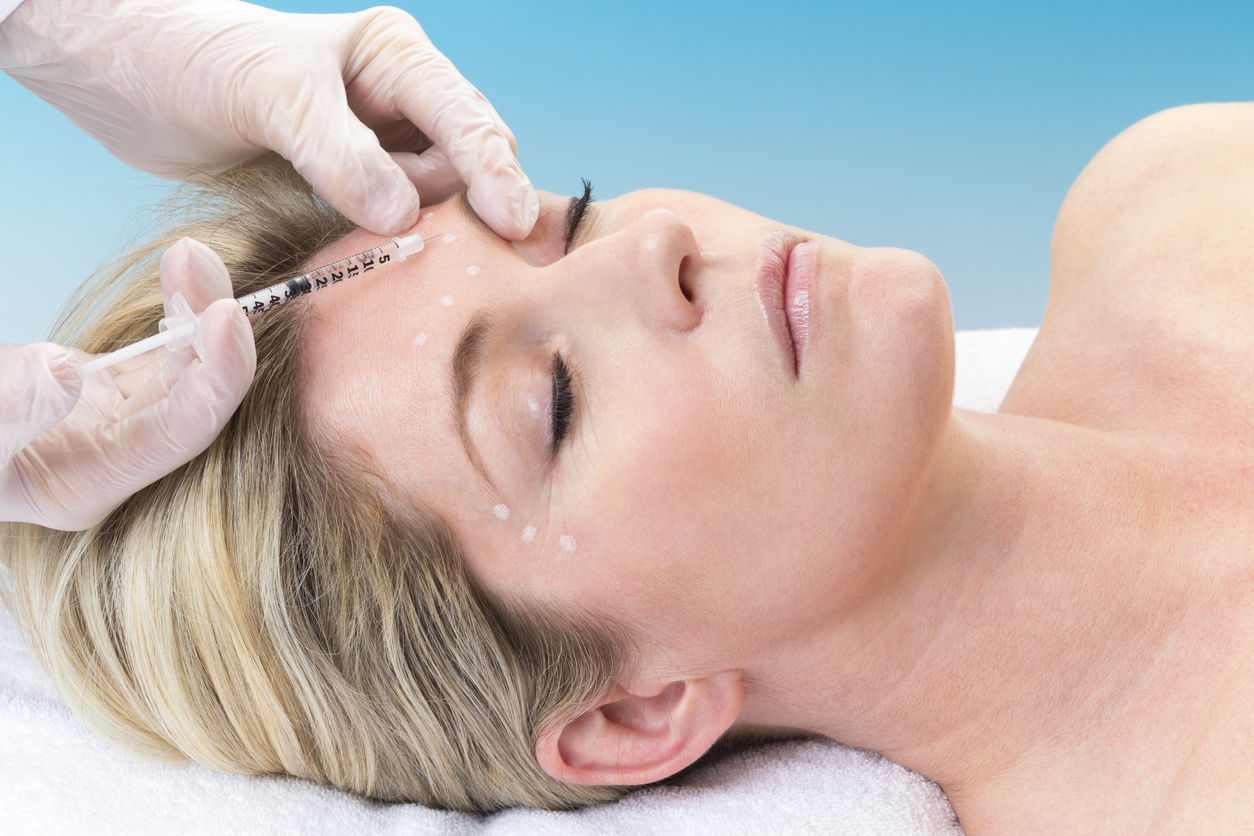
x: 785, y: 277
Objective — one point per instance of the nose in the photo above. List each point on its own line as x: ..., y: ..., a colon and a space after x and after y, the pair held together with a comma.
x: 656, y: 268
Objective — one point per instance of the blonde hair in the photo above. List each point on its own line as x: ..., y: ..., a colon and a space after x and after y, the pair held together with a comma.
x: 259, y: 610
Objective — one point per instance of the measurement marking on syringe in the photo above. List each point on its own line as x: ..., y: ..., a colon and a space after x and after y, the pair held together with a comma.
x: 333, y: 273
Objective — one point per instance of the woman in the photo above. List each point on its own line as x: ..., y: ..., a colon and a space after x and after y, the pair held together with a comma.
x: 527, y: 522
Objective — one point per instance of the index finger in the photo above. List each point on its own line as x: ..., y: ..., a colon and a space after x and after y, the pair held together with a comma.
x: 429, y: 91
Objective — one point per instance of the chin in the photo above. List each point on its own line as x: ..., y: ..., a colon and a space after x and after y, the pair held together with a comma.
x: 902, y: 324
x: 900, y: 386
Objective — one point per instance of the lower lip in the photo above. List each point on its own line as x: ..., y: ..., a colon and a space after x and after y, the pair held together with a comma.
x: 798, y: 281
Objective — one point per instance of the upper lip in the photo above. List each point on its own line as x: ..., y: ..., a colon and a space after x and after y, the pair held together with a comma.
x: 772, y: 280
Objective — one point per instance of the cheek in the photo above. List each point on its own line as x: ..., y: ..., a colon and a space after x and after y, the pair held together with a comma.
x: 685, y: 489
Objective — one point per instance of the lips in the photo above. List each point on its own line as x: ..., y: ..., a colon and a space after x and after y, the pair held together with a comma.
x: 785, y: 278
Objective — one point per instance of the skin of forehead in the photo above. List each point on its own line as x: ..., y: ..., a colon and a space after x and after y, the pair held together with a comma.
x: 368, y: 384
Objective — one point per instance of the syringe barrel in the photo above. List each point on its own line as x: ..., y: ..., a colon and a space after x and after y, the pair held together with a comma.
x: 183, y: 327
x: 323, y: 277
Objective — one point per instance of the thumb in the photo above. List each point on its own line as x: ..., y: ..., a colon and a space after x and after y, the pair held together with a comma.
x: 39, y: 385
x: 431, y: 172
x: 191, y: 268
x: 344, y: 162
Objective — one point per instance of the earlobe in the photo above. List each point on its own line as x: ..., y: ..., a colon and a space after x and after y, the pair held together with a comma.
x: 641, y: 734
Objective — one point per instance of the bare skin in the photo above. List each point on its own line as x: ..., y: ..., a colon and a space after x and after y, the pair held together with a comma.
x: 1049, y: 611
x: 1106, y: 683
x: 1146, y: 341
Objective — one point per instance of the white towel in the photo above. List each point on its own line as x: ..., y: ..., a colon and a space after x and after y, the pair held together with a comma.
x: 7, y: 7
x: 56, y: 777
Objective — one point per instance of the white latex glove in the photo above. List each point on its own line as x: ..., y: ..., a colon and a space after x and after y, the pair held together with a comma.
x: 176, y: 87
x: 73, y: 448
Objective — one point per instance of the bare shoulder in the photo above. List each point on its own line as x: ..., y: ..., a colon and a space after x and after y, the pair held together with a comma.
x: 1178, y: 185
x: 1151, y: 307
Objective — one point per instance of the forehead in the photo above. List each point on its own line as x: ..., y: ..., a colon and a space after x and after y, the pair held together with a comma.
x: 378, y: 350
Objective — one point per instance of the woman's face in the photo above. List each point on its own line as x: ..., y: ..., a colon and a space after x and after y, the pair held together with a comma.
x: 692, y: 419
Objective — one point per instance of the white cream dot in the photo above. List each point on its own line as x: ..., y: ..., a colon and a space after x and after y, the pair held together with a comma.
x: 448, y: 238
x: 472, y: 270
x: 421, y: 339
x: 567, y: 543
x: 446, y: 300
x: 650, y: 243
x: 428, y: 216
x: 501, y: 512
x: 529, y: 534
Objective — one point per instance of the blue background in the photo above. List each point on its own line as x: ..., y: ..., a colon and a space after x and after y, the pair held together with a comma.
x: 954, y: 129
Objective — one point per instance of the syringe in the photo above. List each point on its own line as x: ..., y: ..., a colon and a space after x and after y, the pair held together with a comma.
x: 182, y: 327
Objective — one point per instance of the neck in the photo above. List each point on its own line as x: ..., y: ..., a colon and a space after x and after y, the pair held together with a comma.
x: 1030, y: 604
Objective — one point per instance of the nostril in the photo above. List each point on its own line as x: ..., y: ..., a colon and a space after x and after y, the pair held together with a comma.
x: 683, y: 279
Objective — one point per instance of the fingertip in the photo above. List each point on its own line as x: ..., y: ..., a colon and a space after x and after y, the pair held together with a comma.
x: 527, y: 210
x: 395, y: 214
x: 173, y: 265
x: 375, y: 194
x: 195, y: 270
x: 431, y: 173
x: 208, y: 265
x: 407, y: 219
x: 509, y: 205
x: 348, y: 168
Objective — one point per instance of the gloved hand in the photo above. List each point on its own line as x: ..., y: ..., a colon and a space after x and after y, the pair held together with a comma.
x: 177, y: 87
x: 72, y: 448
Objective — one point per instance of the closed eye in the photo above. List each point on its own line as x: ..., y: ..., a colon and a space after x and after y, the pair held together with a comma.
x: 563, y: 402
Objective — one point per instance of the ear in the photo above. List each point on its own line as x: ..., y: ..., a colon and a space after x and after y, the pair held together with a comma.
x: 644, y: 734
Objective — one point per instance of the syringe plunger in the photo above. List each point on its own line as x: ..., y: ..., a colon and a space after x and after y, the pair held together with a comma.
x: 179, y: 330
x: 182, y: 327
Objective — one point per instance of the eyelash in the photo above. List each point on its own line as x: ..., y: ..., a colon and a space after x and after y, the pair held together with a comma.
x: 574, y: 215
x: 563, y: 401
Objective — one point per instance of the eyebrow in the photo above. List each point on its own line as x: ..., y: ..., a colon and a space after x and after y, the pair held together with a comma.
x: 468, y: 357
